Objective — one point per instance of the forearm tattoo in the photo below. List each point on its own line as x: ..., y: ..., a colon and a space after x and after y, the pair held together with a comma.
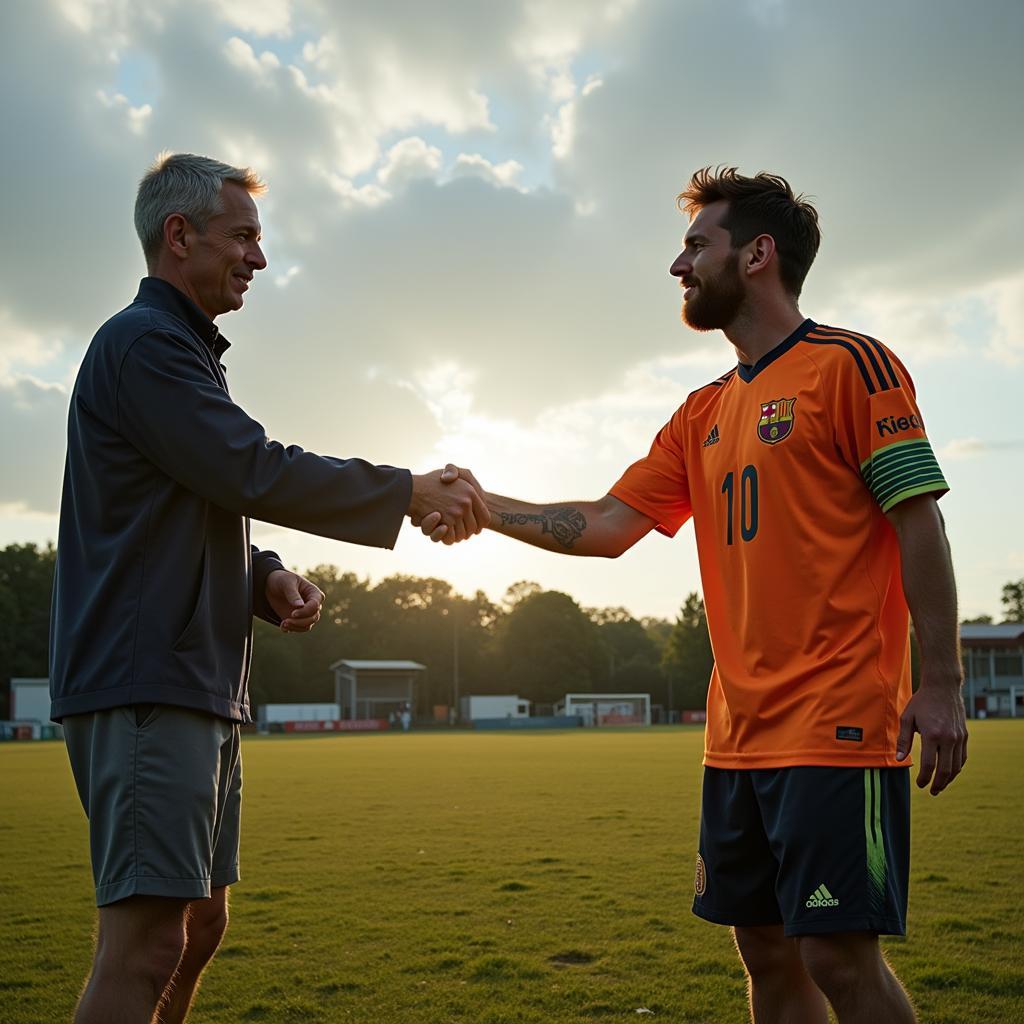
x: 565, y: 524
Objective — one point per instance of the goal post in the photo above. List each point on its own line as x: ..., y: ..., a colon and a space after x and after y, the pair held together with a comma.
x: 608, y: 708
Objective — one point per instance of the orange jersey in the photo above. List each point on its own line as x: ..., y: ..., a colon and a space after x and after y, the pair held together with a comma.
x: 788, y: 468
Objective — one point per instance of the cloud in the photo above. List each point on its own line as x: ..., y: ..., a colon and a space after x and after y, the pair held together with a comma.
x: 67, y: 249
x: 32, y: 422
x: 569, y: 445
x: 973, y: 447
x: 261, y: 17
x: 553, y: 35
x: 137, y: 117
x: 562, y: 124
x: 243, y: 56
x: 352, y: 195
x: 285, y: 279
x: 106, y: 19
x: 408, y: 160
x: 490, y: 188
x: 932, y: 328
x: 385, y: 78
x: 473, y: 165
x: 894, y: 157
x: 1007, y: 302
x: 22, y: 348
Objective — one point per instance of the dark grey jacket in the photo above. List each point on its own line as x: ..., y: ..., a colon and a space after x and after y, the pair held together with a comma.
x: 156, y: 581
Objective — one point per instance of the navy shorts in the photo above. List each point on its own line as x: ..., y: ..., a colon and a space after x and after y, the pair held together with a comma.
x: 816, y: 850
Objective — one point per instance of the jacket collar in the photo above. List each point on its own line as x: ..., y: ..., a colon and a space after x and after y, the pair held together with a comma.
x: 155, y: 291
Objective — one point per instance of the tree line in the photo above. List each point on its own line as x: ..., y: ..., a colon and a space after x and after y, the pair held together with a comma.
x: 535, y: 643
x: 539, y: 644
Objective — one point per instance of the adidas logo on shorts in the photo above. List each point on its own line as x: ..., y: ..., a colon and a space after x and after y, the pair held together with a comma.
x: 821, y: 897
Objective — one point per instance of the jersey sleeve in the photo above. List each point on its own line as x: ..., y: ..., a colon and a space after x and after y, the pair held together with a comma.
x: 880, y: 430
x: 657, y: 485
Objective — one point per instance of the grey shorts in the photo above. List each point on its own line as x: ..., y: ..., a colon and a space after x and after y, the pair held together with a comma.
x: 162, y: 789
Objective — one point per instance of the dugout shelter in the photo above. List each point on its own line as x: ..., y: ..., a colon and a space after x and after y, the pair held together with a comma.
x: 374, y: 689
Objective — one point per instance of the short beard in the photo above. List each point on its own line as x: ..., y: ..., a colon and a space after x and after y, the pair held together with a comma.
x: 717, y: 301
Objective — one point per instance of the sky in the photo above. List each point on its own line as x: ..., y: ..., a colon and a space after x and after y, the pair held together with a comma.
x: 469, y: 222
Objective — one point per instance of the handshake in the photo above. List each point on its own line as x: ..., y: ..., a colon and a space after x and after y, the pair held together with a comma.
x: 448, y: 505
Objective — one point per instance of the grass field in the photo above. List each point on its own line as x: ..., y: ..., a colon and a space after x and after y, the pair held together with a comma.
x: 498, y: 879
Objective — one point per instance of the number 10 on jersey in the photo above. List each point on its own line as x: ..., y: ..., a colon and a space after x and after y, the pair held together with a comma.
x: 747, y: 503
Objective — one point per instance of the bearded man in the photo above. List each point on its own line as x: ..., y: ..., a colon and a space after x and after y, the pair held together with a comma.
x: 813, y: 490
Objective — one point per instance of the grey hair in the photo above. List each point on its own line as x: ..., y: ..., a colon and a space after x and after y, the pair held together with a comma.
x: 186, y: 184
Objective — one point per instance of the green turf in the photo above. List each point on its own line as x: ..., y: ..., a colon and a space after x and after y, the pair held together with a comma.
x: 489, y: 878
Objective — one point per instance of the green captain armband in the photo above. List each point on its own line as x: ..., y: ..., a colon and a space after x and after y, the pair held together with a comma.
x: 901, y: 470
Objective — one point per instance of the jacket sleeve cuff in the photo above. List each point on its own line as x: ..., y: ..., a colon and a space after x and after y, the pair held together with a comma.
x: 397, y: 504
x: 263, y: 564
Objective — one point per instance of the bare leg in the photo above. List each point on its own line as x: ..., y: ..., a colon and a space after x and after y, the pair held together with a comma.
x: 781, y: 990
x: 205, y: 924
x: 850, y: 969
x: 138, y: 948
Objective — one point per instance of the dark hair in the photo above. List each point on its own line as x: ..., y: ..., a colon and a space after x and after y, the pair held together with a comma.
x: 764, y: 204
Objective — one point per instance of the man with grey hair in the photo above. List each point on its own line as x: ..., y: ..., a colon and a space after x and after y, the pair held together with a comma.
x: 157, y: 582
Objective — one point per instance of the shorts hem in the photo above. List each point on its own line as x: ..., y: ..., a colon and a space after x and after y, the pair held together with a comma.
x: 877, y: 925
x: 149, y: 885
x: 221, y: 878
x: 736, y: 920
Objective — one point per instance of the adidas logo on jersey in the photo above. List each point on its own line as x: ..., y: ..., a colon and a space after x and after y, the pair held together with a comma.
x: 712, y: 438
x: 821, y: 897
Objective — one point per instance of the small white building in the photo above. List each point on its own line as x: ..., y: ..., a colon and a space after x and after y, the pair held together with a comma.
x: 475, y: 707
x: 267, y: 713
x: 30, y: 709
x: 30, y: 700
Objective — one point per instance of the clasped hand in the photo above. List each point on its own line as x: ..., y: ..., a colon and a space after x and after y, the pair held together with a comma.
x: 448, y: 505
x: 294, y: 600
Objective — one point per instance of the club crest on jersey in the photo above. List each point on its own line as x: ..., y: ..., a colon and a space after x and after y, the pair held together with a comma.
x: 776, y: 422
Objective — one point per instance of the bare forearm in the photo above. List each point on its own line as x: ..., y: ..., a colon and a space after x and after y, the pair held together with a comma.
x: 567, y: 528
x: 936, y: 711
x: 930, y: 590
x: 603, y: 528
